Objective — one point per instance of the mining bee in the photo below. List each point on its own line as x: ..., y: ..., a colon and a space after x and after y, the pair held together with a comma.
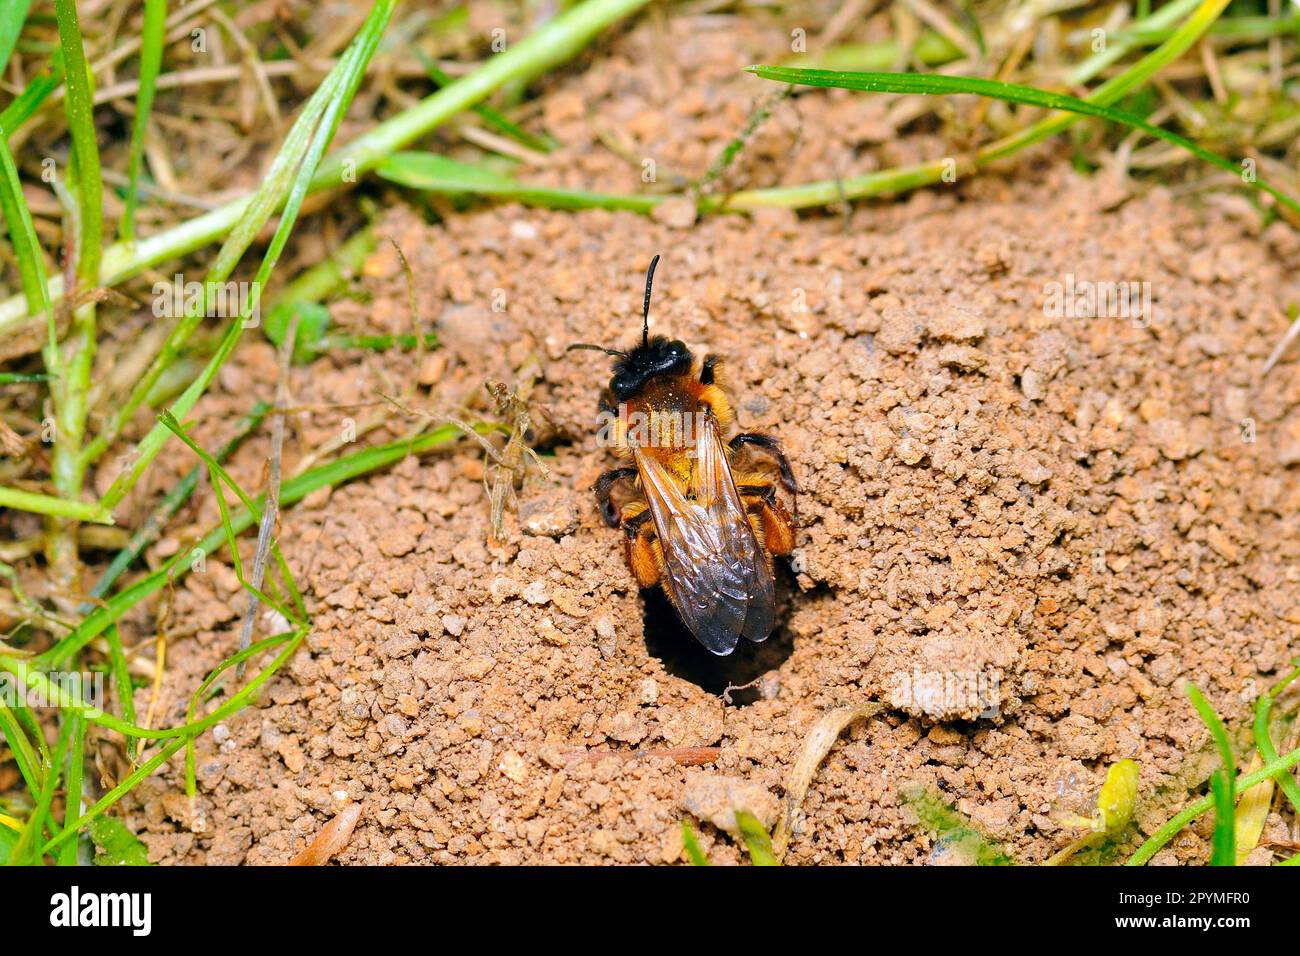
x: 702, y: 518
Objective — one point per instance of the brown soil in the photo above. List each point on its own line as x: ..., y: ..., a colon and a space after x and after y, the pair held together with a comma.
x: 1064, y: 509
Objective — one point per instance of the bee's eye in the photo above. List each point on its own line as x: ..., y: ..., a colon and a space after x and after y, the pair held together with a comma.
x: 677, y: 347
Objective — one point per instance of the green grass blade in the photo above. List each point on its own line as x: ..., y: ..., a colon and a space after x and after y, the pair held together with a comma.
x: 1223, y: 843
x: 292, y: 491
x: 34, y: 730
x: 304, y: 296
x: 1251, y: 29
x: 904, y: 178
x: 115, y: 845
x: 268, y: 196
x: 37, y: 90
x: 40, y: 504
x: 27, y: 248
x: 288, y: 165
x: 40, y: 812
x: 287, y: 183
x: 443, y: 174
x: 434, y: 173
x: 234, y: 660
x: 551, y: 44
x: 147, y: 532
x: 1171, y: 828
x: 1264, y: 742
x: 21, y: 750
x: 84, y: 165
x: 29, y: 677
x: 934, y: 84
x: 691, y: 844
x: 1179, y: 42
x: 1117, y: 46
x: 1215, y: 726
x: 72, y: 797
x: 129, y: 783
x: 8, y: 836
x: 219, y: 476
x: 12, y: 17
x: 490, y: 116
x: 151, y: 47
x: 756, y: 838
x: 236, y: 702
x: 125, y: 688
x: 74, y: 360
x: 23, y: 378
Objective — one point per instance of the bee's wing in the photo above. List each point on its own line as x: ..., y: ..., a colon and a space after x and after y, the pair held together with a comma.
x: 716, y: 573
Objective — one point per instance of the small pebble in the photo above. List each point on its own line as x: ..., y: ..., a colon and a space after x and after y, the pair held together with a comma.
x: 537, y: 593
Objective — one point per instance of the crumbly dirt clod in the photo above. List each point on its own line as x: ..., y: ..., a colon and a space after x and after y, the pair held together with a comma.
x: 1020, y: 531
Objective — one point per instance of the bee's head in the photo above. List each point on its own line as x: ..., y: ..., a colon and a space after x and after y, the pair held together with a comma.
x: 653, y: 357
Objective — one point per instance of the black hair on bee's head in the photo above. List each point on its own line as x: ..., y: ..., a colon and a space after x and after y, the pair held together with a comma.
x: 654, y: 357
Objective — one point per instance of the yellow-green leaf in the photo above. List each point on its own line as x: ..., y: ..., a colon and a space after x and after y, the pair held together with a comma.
x: 1117, y: 799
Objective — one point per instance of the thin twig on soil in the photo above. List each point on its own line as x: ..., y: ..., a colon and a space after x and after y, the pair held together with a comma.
x: 1292, y: 332
x: 270, y: 513
x: 682, y: 756
x: 816, y: 746
x: 332, y: 839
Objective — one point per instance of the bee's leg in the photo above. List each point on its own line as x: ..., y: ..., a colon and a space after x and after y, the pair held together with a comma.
x: 773, y: 447
x: 772, y: 522
x: 643, y: 554
x: 604, y: 486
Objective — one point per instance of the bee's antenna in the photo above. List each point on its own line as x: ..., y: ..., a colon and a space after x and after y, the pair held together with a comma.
x: 645, y: 319
x: 645, y: 309
x: 596, y: 348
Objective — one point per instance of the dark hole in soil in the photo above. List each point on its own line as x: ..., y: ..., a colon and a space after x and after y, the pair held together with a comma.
x: 546, y: 442
x: 669, y: 640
